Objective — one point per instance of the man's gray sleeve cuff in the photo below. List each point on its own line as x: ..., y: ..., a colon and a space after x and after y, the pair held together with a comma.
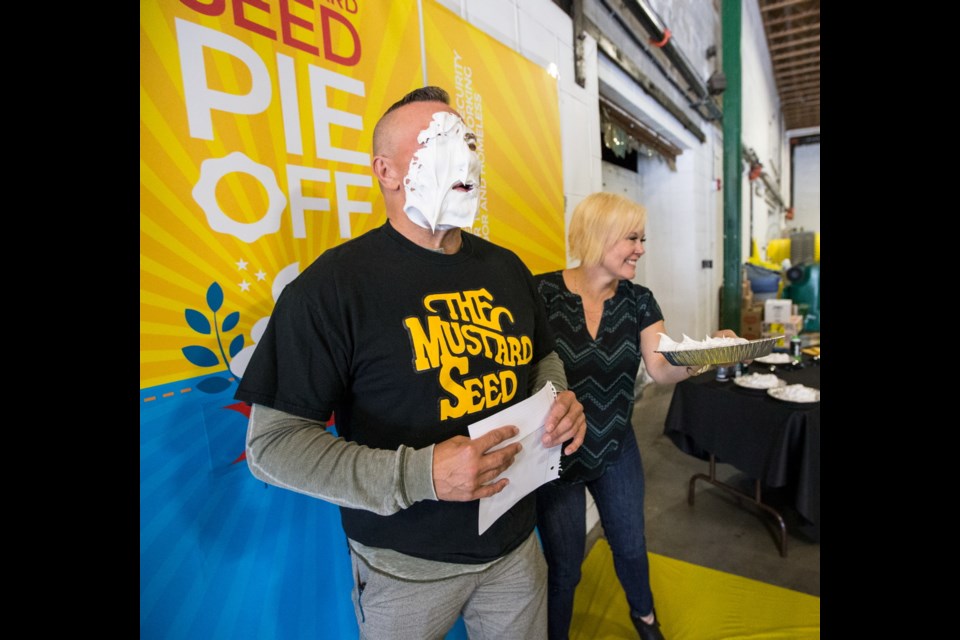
x: 549, y: 368
x: 417, y: 474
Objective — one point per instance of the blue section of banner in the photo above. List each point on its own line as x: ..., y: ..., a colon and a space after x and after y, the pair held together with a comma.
x: 223, y: 555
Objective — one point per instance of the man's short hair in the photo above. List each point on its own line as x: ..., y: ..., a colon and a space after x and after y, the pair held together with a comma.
x: 423, y: 94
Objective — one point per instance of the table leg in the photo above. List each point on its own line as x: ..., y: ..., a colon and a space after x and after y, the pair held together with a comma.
x: 755, y: 499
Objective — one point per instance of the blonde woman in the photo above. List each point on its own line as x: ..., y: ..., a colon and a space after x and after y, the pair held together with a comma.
x: 604, y: 324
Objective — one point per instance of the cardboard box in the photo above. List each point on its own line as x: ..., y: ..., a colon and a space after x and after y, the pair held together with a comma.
x: 774, y: 329
x: 751, y: 321
x: 751, y: 331
x: 794, y: 327
x: 778, y: 310
x: 752, y: 315
x: 785, y: 329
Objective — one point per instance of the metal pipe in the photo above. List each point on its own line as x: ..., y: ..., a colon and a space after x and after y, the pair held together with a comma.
x: 655, y: 27
x: 732, y: 168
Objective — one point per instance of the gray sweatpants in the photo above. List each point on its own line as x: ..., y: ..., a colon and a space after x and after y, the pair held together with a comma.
x: 505, y: 601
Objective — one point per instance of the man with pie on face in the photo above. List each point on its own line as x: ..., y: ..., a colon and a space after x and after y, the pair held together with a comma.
x: 407, y: 335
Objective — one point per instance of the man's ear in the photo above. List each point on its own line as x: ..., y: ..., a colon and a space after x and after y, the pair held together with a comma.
x: 384, y: 173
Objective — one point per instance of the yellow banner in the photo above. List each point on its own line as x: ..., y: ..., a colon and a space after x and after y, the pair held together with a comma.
x: 512, y: 106
x: 256, y: 121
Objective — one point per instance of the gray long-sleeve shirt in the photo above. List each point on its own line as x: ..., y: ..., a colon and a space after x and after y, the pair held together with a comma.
x: 302, y: 455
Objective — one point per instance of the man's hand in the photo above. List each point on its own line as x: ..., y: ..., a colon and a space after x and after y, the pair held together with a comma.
x: 463, y: 469
x: 565, y: 422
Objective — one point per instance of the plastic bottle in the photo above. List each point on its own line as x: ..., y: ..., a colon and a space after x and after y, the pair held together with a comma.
x: 795, y: 345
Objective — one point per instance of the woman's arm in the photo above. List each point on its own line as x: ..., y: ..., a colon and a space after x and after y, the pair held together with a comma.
x: 659, y: 369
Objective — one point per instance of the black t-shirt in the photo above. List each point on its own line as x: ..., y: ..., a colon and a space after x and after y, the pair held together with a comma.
x: 407, y: 346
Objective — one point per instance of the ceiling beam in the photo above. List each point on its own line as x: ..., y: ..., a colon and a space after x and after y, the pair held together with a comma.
x: 797, y: 63
x: 799, y: 103
x: 790, y: 32
x: 794, y: 85
x: 791, y: 16
x: 794, y: 54
x: 780, y: 5
x: 793, y: 97
x: 793, y: 93
x: 792, y: 43
x: 813, y: 69
x: 793, y: 82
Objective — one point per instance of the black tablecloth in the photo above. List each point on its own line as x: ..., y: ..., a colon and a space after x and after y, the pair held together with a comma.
x: 770, y: 440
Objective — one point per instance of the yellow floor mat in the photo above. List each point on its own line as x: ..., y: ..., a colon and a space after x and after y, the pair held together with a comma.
x: 693, y: 603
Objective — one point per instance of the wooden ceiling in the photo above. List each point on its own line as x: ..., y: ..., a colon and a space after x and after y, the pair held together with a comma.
x: 793, y: 37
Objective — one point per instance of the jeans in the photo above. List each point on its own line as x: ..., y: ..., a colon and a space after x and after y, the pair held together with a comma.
x: 561, y: 520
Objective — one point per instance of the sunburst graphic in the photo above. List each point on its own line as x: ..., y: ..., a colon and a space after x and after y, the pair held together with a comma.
x: 513, y: 106
x: 253, y: 153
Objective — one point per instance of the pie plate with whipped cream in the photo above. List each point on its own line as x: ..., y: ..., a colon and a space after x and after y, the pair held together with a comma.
x: 693, y: 353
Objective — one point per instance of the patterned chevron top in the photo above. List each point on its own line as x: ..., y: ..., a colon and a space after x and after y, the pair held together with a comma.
x: 601, y: 372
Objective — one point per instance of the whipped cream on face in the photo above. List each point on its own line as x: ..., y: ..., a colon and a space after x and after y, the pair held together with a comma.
x: 689, y: 344
x: 443, y: 181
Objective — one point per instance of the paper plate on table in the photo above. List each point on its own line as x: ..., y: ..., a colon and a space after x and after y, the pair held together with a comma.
x: 775, y: 358
x: 797, y: 394
x: 721, y: 355
x: 759, y: 382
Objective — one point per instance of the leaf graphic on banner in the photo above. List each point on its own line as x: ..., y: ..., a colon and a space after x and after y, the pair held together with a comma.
x: 197, y: 321
x: 213, y: 385
x: 230, y: 321
x: 200, y: 356
x: 235, y: 345
x: 215, y: 297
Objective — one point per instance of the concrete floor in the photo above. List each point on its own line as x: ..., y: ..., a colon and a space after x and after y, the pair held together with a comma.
x: 715, y: 532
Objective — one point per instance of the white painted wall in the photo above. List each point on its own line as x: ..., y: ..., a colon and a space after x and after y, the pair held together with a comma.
x: 761, y: 129
x: 541, y: 32
x: 685, y: 214
x: 806, y: 194
x: 684, y: 207
x: 682, y: 221
x: 685, y: 210
x: 695, y: 26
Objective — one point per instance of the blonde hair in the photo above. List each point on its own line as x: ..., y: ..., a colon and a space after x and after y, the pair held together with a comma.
x: 599, y: 221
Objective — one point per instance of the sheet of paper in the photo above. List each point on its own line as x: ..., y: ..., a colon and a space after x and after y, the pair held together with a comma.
x: 533, y: 466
